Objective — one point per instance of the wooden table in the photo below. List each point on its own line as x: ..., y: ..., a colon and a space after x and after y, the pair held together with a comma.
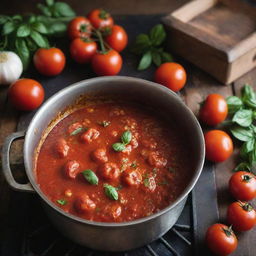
x: 199, y: 85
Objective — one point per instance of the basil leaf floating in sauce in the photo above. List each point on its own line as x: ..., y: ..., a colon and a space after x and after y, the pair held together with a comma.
x: 76, y: 131
x: 91, y: 177
x: 111, y: 192
x: 126, y: 137
x: 118, y: 146
x: 61, y: 201
x: 104, y: 123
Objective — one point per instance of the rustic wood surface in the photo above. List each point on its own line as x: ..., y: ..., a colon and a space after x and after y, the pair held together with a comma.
x: 199, y: 86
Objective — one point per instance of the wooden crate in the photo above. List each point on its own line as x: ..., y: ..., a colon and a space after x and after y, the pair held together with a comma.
x: 216, y: 35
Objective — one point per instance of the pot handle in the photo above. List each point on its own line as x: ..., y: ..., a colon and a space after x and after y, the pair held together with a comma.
x: 6, y: 163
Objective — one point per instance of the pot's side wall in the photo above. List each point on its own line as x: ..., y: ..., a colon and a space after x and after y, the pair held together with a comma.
x: 115, y: 238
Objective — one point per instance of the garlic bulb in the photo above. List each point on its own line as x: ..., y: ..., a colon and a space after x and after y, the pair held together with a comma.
x: 10, y: 67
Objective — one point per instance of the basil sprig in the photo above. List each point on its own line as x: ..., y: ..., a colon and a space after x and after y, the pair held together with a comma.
x: 125, y: 139
x: 111, y: 192
x: 149, y: 47
x: 91, y: 177
x: 24, y: 34
x: 242, y: 111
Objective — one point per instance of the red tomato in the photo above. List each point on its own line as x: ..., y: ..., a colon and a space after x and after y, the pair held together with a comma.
x: 99, y: 18
x: 117, y: 39
x: 107, y: 64
x: 218, y: 145
x: 49, y: 62
x: 214, y: 110
x: 26, y: 94
x: 171, y: 75
x: 220, y: 239
x: 79, y: 27
x: 241, y: 216
x: 82, y: 50
x: 242, y: 185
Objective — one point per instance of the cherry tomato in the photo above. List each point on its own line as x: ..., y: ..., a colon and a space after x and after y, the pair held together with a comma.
x: 218, y: 145
x: 26, y: 94
x: 107, y: 64
x: 82, y: 50
x: 49, y: 62
x: 214, y: 110
x: 241, y: 216
x: 117, y: 39
x: 79, y: 27
x: 99, y: 18
x: 171, y: 75
x: 242, y: 185
x: 221, y: 239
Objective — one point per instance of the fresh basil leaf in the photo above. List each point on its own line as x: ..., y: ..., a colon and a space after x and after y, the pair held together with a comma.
x: 17, y: 18
x: 250, y: 103
x: 126, y: 137
x: 142, y: 44
x: 156, y: 58
x: 23, y: 30
x: 243, y: 117
x: 252, y: 157
x: 3, y: 19
x: 111, y: 192
x: 243, y: 134
x: 157, y: 35
x: 61, y: 201
x: 44, y: 10
x: 31, y: 44
x: 166, y: 57
x: 247, y: 147
x: 247, y: 92
x: 57, y: 28
x: 76, y: 131
x: 40, y: 40
x: 234, y: 104
x: 145, y: 61
x: 118, y: 146
x: 91, y: 177
x: 23, y: 52
x: 242, y: 167
x: 49, y: 2
x: 61, y: 9
x: 8, y: 28
x: 40, y: 27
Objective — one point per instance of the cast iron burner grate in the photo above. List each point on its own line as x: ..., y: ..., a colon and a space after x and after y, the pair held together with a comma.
x: 40, y: 238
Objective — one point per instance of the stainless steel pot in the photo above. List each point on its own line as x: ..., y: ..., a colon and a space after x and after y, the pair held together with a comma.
x: 110, y: 236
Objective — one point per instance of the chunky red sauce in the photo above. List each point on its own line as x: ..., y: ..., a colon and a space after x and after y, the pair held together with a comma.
x: 80, y: 170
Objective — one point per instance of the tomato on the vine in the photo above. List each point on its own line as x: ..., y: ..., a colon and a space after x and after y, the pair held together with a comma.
x: 26, y: 94
x: 82, y: 50
x: 221, y: 239
x: 214, y: 110
x: 218, y: 145
x: 99, y: 18
x: 79, y: 27
x: 171, y: 75
x: 242, y: 185
x: 241, y: 216
x: 107, y: 64
x: 49, y: 62
x: 117, y: 38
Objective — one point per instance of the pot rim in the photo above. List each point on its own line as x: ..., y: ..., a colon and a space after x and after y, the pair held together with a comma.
x: 120, y: 79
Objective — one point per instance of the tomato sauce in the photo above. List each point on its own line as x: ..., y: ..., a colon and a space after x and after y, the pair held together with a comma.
x: 113, y: 162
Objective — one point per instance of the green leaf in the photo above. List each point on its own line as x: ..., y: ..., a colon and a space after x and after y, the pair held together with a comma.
x: 44, y: 10
x: 40, y: 27
x: 111, y: 192
x: 91, y: 177
x: 8, y: 28
x: 156, y: 58
x: 166, y: 57
x: 3, y: 19
x: 61, y: 201
x: 142, y: 44
x: 243, y: 134
x: 157, y: 35
x: 39, y: 39
x: 242, y: 167
x: 23, y: 30
x: 17, y: 17
x: 234, y: 104
x: 247, y: 92
x: 252, y: 157
x: 145, y: 61
x: 57, y: 28
x: 49, y: 2
x: 61, y: 9
x: 23, y: 52
x: 247, y: 147
x: 76, y: 131
x: 243, y: 117
x: 118, y: 146
x: 126, y: 137
x: 104, y: 123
